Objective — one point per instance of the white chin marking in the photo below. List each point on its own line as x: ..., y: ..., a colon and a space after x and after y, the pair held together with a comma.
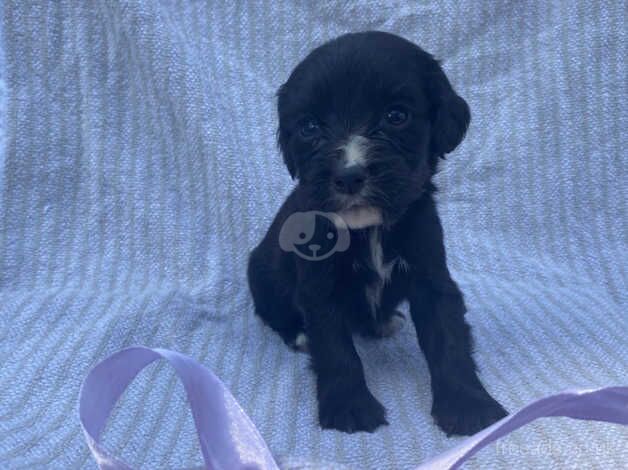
x: 361, y: 217
x: 354, y: 151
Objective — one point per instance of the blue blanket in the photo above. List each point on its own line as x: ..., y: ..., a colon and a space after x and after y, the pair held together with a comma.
x: 138, y: 167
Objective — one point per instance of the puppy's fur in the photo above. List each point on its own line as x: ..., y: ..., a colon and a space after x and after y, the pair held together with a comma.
x: 379, y: 109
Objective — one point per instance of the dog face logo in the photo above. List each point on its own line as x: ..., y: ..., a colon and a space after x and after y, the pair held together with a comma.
x: 314, y: 235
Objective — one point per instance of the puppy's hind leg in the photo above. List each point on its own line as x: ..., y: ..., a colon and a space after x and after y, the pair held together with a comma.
x: 275, y: 309
x: 384, y: 326
x: 288, y: 323
x: 391, y: 325
x: 388, y: 320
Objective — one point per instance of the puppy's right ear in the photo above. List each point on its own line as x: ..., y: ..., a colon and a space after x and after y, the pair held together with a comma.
x: 283, y: 132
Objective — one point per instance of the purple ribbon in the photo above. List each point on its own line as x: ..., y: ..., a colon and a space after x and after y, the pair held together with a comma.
x: 608, y: 404
x: 229, y: 440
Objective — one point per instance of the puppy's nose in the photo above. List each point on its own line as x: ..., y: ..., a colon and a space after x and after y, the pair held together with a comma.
x: 350, y: 180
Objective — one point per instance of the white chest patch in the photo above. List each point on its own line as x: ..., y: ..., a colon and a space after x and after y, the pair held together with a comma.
x: 383, y: 270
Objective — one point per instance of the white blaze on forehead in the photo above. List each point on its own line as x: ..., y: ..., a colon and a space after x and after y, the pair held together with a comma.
x: 354, y: 151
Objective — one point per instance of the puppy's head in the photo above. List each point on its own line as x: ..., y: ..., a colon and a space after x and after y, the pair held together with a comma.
x: 363, y: 120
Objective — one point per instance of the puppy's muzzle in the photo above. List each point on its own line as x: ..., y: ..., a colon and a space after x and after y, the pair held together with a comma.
x: 350, y: 180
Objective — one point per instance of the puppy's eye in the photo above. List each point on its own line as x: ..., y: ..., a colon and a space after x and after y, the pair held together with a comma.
x: 310, y: 129
x: 397, y: 116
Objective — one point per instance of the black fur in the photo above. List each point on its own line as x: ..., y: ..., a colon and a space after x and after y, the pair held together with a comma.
x: 347, y: 87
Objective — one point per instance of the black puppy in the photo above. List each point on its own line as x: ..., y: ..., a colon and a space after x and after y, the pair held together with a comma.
x: 363, y: 121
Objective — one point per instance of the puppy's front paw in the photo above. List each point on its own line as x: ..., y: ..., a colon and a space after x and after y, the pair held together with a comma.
x: 466, y: 413
x: 358, y: 411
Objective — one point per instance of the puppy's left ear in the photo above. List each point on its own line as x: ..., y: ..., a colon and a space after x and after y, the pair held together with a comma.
x: 449, y: 113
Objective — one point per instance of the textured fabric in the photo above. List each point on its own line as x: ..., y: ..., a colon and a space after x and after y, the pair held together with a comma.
x: 139, y: 167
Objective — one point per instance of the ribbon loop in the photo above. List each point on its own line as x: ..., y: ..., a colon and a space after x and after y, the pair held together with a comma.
x: 228, y: 439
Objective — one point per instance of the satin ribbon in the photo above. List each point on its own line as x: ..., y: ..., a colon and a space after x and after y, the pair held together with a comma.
x: 229, y: 440
x: 608, y: 404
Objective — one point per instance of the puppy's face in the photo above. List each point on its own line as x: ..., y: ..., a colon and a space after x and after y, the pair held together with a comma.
x: 363, y: 120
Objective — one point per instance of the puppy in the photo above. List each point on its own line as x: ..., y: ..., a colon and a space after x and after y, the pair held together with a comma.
x: 363, y: 122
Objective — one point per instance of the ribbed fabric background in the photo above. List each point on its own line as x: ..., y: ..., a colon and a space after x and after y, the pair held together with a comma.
x: 139, y: 167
